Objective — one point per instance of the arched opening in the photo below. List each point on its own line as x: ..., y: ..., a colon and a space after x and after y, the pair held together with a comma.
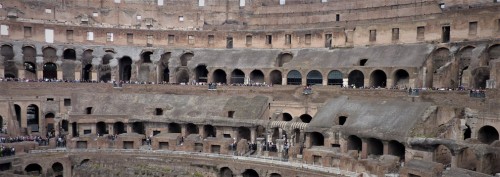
x: 467, y: 132
x: 287, y: 117
x: 182, y: 76
x: 378, y: 78
x: 487, y: 134
x: 237, y: 77
x: 138, y: 127
x: 32, y: 117
x: 146, y: 57
x: 314, y: 77
x: 356, y: 78
x: 49, y: 122
x: 125, y: 67
x: 185, y: 58
x: 250, y: 173
x: 174, y: 128
x: 480, y: 76
x: 401, y: 78
x: 33, y: 169
x: 50, y: 71
x: 209, y: 131
x: 17, y: 109
x: 294, y: 78
x: 335, y: 78
x: 64, y: 125
x: 244, y: 133
x: 163, y: 64
x: 105, y: 77
x: 306, y: 118
x: 438, y: 68
x: 375, y: 147
x: 397, y: 149
x: 201, y: 73
x: 226, y: 172
x: 276, y: 77
x: 87, y: 57
x: 354, y: 143
x: 69, y: 54
x: 467, y: 159
x: 464, y: 61
x: 192, y: 129
x: 220, y: 76
x: 106, y: 58
x: 49, y: 54
x: 7, y: 51
x: 10, y: 69
x: 275, y: 175
x: 493, y: 53
x: 29, y: 59
x: 57, y: 167
x: 119, y: 128
x: 342, y: 120
x: 283, y: 58
x: 442, y: 155
x: 87, y: 72
x: 317, y: 139
x: 101, y: 128
x: 256, y: 76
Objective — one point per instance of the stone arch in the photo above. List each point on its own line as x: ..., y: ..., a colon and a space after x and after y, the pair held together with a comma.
x: 182, y: 76
x: 185, y: 58
x: 375, y: 146
x: 286, y: 117
x: 464, y: 62
x: 146, y: 56
x: 237, y: 77
x: 335, y: 77
x: 49, y: 70
x: 378, y: 78
x: 57, y: 167
x: 356, y: 78
x: 201, y: 73
x: 354, y: 143
x: 283, y: 58
x: 317, y: 139
x: 493, y: 53
x: 209, y: 131
x: 487, y: 134
x: 225, y: 172
x: 138, y: 127
x: 119, y: 128
x: 314, y: 77
x: 294, y: 78
x: 442, y: 155
x: 439, y: 67
x: 87, y: 57
x: 219, y: 76
x: 69, y: 54
x: 49, y: 54
x: 276, y: 77
x: 49, y: 122
x: 257, y: 76
x: 174, y: 128
x: 274, y: 175
x: 163, y: 64
x: 397, y: 149
x: 244, y: 133
x: 125, y: 67
x: 480, y: 76
x: 192, y: 129
x: 32, y: 113
x: 401, y: 78
x: 29, y: 59
x: 101, y: 128
x: 10, y: 68
x: 467, y: 159
x: 306, y: 118
x: 106, y: 58
x: 33, y: 169
x: 250, y: 173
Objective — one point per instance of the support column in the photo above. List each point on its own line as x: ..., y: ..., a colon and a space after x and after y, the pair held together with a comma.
x: 284, y: 81
x: 70, y: 130
x: 260, y: 142
x: 279, y: 145
x: 201, y: 131
x: 386, y: 147
x: 128, y: 127
x: 183, y: 130
x: 364, y: 149
x: 304, y: 79
x: 454, y: 160
x: 253, y: 134
x: 389, y: 83
x: 24, y: 116
x: 59, y: 73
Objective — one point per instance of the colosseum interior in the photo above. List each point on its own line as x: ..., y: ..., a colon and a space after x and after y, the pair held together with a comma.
x: 250, y: 88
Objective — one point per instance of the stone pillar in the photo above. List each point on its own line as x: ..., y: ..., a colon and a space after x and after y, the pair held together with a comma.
x: 304, y: 79
x: 454, y: 160
x: 279, y: 145
x: 70, y: 130
x: 24, y: 116
x: 386, y: 147
x: 260, y: 142
x: 247, y: 79
x: 283, y: 80
x: 345, y: 82
x: 59, y: 73
x: 20, y: 73
x: 135, y: 71
x: 183, y: 130
x: 367, y: 81
x: 364, y: 149
x: 325, y: 79
x: 128, y: 127
x: 201, y: 131
x: 210, y: 78
x: 78, y: 74
x: 94, y: 74
x: 389, y: 83
x: 253, y: 134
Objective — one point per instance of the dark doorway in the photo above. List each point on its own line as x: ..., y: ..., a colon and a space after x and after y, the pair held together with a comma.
x: 192, y: 129
x: 146, y: 57
x: 446, y: 34
x: 401, y: 78
x: 256, y: 76
x: 314, y: 78
x: 306, y: 118
x: 276, y: 77
x: 237, y: 77
x: 69, y: 54
x: 378, y: 78
x: 201, y: 73
x: 356, y: 78
x: 220, y: 76
x: 101, y: 128
x: 487, y: 134
x: 174, y: 128
x: 138, y: 127
x: 335, y: 78
x: 250, y: 173
x: 354, y: 143
x: 209, y: 131
x: 294, y: 78
x: 33, y: 117
x: 317, y: 139
x: 125, y: 68
x: 119, y: 128
x: 287, y: 117
x: 50, y: 71
x: 87, y: 72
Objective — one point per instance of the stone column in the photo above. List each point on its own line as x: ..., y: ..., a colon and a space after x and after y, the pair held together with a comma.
x: 24, y: 116
x: 253, y: 134
x: 454, y: 160
x: 345, y: 82
x: 304, y: 79
x: 279, y: 145
x: 128, y: 127
x: 135, y: 71
x: 94, y: 73
x: 367, y: 81
x: 364, y: 149
x: 283, y: 80
x: 260, y: 142
x: 70, y: 130
x: 202, y: 131
x: 2, y: 66
x: 183, y: 130
x: 386, y: 147
x: 389, y: 82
